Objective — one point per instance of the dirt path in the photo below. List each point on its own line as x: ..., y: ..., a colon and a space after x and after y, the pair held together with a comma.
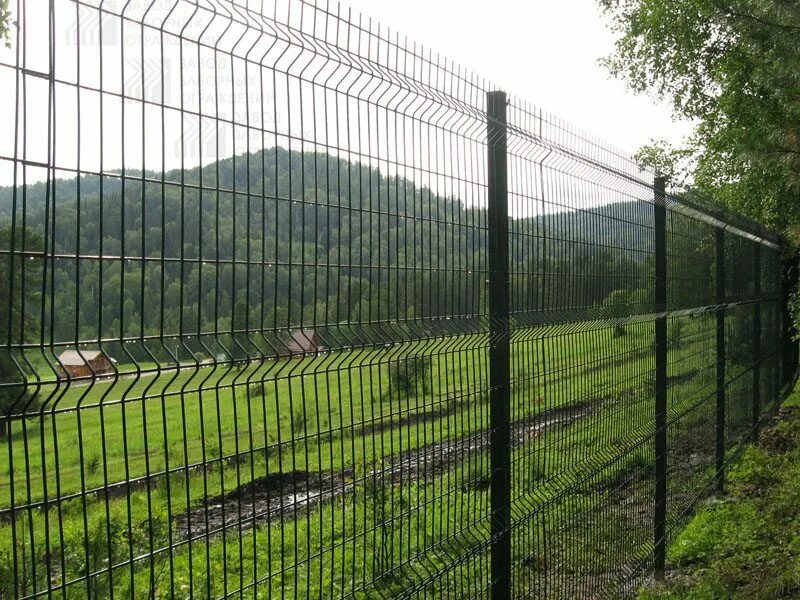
x: 288, y: 495
x: 275, y: 496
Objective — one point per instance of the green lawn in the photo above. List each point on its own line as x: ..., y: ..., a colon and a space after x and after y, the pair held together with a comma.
x: 746, y: 544
x: 581, y: 481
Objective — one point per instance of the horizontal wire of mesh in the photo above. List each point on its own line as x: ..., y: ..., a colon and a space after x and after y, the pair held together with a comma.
x: 247, y: 344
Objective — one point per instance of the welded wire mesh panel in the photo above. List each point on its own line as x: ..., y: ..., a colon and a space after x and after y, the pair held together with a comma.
x: 244, y: 352
x: 581, y: 246
x: 744, y: 351
x: 250, y: 346
x: 772, y: 376
x: 691, y: 357
x: 739, y: 373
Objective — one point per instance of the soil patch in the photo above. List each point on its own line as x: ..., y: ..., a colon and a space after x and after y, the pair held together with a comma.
x: 281, y: 496
x: 435, y: 459
x: 276, y: 496
x: 776, y: 439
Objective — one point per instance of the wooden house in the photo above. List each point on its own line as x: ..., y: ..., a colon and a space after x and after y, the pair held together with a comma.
x: 304, y: 341
x: 84, y: 363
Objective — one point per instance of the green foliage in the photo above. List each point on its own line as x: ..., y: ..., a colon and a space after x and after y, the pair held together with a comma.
x: 299, y: 419
x: 411, y: 376
x: 329, y: 220
x: 93, y: 464
x: 734, y: 67
x: 667, y: 160
x: 739, y: 338
x: 226, y: 263
x: 625, y: 303
x: 744, y: 546
x: 5, y: 23
x: 675, y: 331
x: 794, y: 310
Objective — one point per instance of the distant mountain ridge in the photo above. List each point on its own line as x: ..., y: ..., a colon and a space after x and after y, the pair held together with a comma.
x: 287, y: 237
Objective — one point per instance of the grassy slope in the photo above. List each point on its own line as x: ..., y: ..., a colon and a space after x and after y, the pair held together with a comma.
x: 294, y: 402
x: 383, y: 537
x: 436, y: 513
x: 747, y: 544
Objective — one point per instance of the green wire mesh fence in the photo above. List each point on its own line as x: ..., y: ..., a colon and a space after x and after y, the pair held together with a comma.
x: 297, y: 308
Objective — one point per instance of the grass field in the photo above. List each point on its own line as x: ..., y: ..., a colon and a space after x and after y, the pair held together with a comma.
x: 743, y: 544
x: 320, y: 478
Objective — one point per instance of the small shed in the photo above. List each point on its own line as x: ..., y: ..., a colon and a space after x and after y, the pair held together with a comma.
x: 304, y: 341
x: 84, y: 363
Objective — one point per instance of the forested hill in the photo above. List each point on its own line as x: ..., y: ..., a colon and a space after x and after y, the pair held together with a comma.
x: 281, y: 238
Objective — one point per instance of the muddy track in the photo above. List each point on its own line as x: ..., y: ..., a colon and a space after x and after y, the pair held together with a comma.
x: 283, y: 496
x: 436, y: 459
x: 277, y: 496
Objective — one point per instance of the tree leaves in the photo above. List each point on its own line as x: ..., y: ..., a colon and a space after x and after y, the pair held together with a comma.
x: 5, y: 23
x: 735, y: 67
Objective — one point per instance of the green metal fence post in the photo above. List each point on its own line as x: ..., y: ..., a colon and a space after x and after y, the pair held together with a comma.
x: 757, y: 340
x: 720, y: 428
x: 660, y: 225
x: 499, y: 350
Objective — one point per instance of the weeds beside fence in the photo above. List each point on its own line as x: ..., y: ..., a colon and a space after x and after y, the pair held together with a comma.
x: 297, y: 308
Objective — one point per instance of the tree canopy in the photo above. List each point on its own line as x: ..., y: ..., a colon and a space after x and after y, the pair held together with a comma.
x: 5, y: 22
x: 734, y: 67
x: 305, y: 239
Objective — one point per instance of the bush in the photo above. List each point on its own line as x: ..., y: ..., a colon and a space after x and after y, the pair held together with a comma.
x: 675, y: 332
x: 299, y: 419
x: 93, y: 464
x: 620, y: 304
x: 411, y: 376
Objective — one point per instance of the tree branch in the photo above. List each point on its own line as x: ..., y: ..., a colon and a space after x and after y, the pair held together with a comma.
x: 761, y: 21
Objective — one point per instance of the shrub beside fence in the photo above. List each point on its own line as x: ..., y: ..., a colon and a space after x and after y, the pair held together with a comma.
x: 297, y: 308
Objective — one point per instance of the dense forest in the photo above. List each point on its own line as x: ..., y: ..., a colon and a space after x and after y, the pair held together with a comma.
x: 275, y: 239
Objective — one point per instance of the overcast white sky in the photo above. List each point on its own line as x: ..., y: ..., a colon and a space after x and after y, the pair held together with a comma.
x: 544, y: 51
